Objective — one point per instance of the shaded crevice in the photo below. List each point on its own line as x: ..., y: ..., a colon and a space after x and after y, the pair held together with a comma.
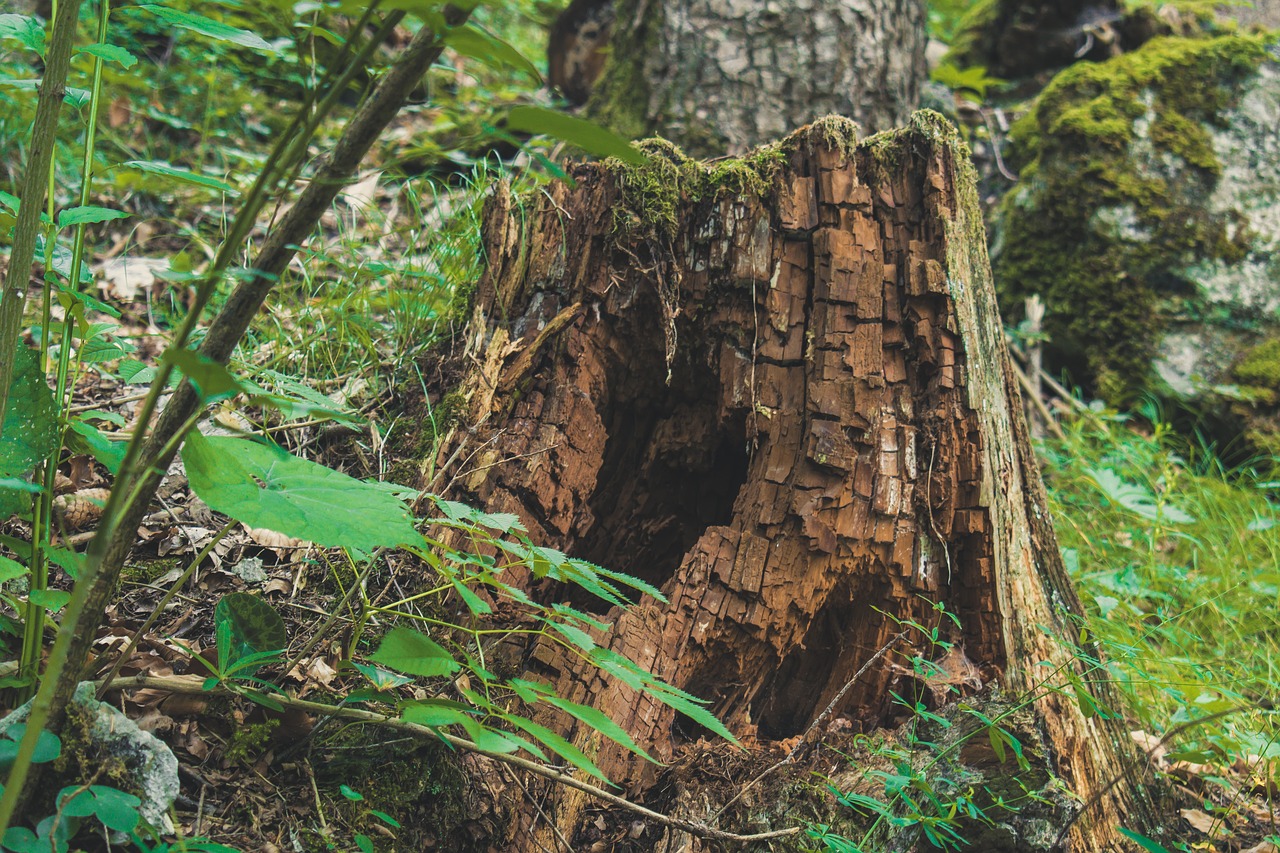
x: 674, y: 462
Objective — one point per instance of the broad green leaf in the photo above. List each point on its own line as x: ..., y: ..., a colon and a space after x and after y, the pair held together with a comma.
x: 110, y: 53
x: 48, y: 746
x: 472, y: 41
x: 116, y: 809
x: 183, y: 176
x: 208, y: 27
x: 88, y: 215
x: 406, y: 650
x: 435, y: 712
x: 52, y: 600
x: 9, y: 202
x: 380, y: 678
x: 266, y: 487
x: 30, y: 431
x: 588, y: 136
x: 496, y: 740
x: 28, y: 31
x: 364, y: 842
x: 99, y: 349
x: 10, y: 569
x: 1142, y: 841
x: 350, y: 793
x: 558, y: 745
x: 97, y: 443
x: 213, y: 381
x: 385, y: 818
x: 252, y: 626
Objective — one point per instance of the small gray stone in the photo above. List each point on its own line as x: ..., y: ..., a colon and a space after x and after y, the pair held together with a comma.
x: 151, y: 765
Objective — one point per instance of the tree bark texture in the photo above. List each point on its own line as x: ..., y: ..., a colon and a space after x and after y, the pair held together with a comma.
x: 719, y: 76
x: 785, y: 400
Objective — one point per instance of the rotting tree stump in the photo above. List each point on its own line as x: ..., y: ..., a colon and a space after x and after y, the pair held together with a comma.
x: 776, y: 388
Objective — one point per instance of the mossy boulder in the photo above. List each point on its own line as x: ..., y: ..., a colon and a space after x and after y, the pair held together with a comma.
x: 1147, y: 216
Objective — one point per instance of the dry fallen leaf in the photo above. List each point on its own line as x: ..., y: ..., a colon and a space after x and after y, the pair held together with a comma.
x: 1200, y: 821
x: 124, y: 277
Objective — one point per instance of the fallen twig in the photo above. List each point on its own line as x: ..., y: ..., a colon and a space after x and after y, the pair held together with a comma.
x: 194, y: 685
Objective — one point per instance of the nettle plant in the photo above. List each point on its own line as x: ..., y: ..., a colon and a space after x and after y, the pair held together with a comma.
x: 247, y: 476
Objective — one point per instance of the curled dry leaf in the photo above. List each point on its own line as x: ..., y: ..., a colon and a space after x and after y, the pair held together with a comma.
x: 278, y: 542
x: 1200, y: 821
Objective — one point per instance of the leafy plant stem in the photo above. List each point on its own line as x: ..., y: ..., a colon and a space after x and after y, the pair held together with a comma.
x: 109, y: 547
x: 39, y: 165
x: 42, y: 521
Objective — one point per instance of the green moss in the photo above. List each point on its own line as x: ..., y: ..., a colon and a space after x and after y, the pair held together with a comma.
x: 653, y: 194
x: 1261, y: 366
x: 1116, y: 159
x: 247, y: 742
x: 419, y: 785
x: 620, y: 98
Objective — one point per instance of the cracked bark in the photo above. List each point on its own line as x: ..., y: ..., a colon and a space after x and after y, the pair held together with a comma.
x: 791, y: 413
x: 723, y: 76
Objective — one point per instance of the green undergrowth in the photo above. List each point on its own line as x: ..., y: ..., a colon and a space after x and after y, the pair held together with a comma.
x: 1178, y: 562
x: 1116, y: 160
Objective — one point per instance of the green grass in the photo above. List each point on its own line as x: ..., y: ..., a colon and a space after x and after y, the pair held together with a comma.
x: 1178, y: 562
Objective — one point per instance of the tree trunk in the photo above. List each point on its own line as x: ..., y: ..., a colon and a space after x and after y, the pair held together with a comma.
x: 717, y: 76
x: 777, y: 389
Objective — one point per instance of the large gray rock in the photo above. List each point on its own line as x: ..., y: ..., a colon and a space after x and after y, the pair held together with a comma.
x: 1148, y: 217
x: 151, y: 768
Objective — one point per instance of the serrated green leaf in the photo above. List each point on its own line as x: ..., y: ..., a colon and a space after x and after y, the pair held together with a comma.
x: 110, y: 53
x: 575, y: 635
x: 380, y: 678
x: 598, y: 720
x: 183, y: 176
x: 477, y: 605
x: 678, y: 701
x: 266, y: 487
x: 208, y: 27
x: 588, y: 136
x: 1135, y: 498
x: 406, y: 650
x: 88, y: 215
x: 558, y: 745
x: 25, y: 29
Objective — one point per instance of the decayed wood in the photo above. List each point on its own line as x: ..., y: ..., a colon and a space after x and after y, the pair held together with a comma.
x: 793, y: 412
